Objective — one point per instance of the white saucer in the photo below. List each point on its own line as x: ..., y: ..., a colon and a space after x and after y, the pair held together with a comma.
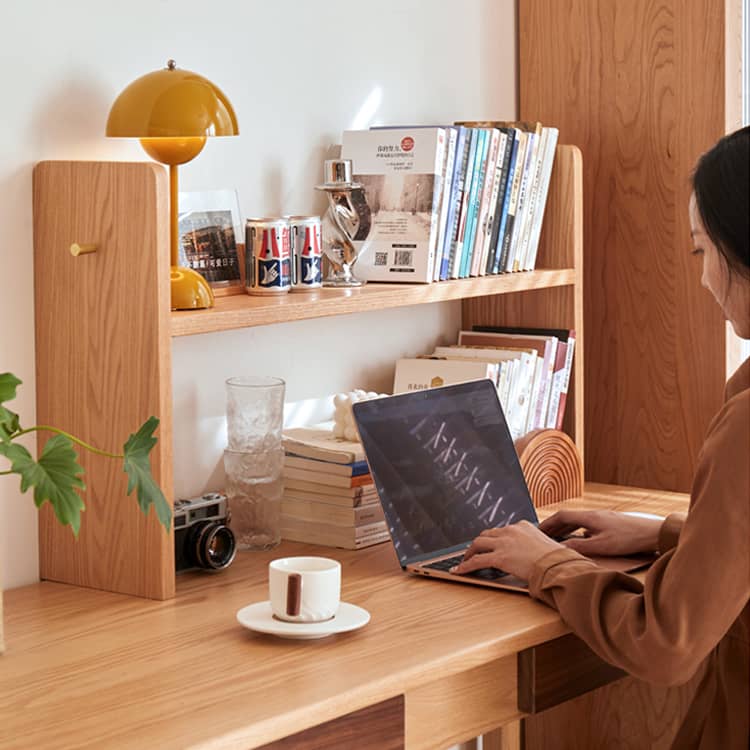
x: 259, y: 617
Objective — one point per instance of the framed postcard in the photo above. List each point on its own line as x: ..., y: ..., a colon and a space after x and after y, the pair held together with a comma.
x: 211, y: 238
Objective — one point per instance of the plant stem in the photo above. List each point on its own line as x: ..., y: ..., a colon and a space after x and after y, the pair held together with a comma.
x: 70, y: 437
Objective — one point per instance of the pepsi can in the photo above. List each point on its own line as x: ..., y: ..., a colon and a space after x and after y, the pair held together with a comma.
x: 306, y: 252
x: 267, y: 256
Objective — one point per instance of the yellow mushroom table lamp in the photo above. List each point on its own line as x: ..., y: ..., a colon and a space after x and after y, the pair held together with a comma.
x: 173, y: 111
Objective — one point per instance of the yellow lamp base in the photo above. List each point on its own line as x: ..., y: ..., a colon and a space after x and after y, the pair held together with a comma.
x: 190, y: 291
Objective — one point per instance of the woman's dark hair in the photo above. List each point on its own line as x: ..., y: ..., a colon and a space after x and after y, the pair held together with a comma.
x: 721, y: 183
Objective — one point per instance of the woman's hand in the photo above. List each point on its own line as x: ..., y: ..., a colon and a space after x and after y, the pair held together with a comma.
x: 514, y: 549
x: 606, y: 532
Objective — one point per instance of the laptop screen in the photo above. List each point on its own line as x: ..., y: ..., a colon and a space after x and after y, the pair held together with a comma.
x: 444, y: 465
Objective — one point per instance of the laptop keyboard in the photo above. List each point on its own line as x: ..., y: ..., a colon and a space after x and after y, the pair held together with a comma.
x: 486, y: 574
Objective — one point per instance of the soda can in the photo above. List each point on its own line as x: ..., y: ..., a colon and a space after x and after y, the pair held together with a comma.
x: 307, y: 253
x: 267, y: 256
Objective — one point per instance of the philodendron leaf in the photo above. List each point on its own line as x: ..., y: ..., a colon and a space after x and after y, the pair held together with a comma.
x: 8, y: 420
x: 54, y: 477
x: 138, y: 469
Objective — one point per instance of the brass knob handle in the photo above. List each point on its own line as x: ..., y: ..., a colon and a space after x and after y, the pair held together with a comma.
x: 79, y: 248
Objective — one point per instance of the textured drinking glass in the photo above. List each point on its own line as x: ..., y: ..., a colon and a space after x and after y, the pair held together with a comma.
x: 254, y: 488
x: 255, y: 413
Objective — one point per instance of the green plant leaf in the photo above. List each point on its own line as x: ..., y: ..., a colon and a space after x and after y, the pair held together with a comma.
x: 54, y: 477
x: 138, y: 469
x: 8, y: 384
x: 9, y: 423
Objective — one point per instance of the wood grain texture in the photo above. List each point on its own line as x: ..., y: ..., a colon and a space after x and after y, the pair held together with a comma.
x: 90, y: 668
x: 627, y: 715
x: 378, y: 727
x: 474, y: 701
x: 561, y: 245
x: 508, y: 737
x: 559, y: 670
x: 103, y: 361
x: 639, y: 86
x: 243, y: 311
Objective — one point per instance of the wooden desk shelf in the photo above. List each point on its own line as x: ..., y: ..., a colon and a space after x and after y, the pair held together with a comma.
x: 104, y: 340
x: 243, y: 311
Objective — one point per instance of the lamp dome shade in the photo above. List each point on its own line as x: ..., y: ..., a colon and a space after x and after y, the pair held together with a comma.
x: 171, y: 103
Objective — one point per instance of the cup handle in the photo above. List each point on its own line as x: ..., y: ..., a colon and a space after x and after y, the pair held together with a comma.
x: 293, y: 594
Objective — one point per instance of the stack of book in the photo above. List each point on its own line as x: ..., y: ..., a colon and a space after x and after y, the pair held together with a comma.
x: 329, y: 496
x: 531, y: 368
x: 451, y: 201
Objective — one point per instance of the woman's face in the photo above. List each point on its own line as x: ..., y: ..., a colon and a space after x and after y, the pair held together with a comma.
x: 731, y: 290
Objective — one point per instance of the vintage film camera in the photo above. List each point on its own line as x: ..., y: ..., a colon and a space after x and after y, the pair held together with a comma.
x: 201, y: 537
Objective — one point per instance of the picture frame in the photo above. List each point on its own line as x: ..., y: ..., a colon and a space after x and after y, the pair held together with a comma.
x: 211, y: 238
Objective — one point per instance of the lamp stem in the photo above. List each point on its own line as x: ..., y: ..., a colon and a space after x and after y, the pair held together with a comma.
x: 173, y: 209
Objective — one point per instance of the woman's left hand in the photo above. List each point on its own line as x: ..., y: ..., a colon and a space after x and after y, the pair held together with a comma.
x: 513, y: 549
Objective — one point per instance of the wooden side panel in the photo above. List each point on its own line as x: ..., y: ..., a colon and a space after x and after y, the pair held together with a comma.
x: 639, y: 86
x: 103, y: 361
x: 448, y: 711
x: 628, y: 715
x: 378, y: 727
x: 556, y: 671
x: 561, y: 246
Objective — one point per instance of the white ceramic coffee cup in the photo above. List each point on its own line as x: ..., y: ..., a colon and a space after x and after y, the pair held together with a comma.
x: 304, y: 589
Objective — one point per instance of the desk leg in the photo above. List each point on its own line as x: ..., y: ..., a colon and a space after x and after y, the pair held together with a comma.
x: 507, y: 737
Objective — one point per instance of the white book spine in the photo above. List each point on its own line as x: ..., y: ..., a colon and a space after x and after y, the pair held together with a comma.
x: 437, y: 192
x: 522, y: 208
x: 445, y: 194
x: 536, y: 231
x: 532, y: 199
x: 523, y: 140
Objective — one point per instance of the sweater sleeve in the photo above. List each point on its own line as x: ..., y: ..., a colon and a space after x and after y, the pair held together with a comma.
x: 662, y: 630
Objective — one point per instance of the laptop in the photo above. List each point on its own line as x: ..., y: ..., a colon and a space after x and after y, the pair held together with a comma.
x: 445, y: 469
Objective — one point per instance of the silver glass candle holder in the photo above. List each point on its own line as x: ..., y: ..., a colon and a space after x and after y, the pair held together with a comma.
x: 346, y: 221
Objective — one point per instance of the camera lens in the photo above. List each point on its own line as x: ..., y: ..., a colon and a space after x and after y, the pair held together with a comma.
x: 213, y: 546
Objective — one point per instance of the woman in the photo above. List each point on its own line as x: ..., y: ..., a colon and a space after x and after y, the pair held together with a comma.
x: 692, y: 611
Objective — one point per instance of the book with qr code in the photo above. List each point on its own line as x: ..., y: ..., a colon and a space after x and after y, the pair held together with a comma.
x: 401, y: 170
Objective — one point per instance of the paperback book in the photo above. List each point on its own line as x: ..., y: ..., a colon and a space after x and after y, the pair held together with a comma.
x: 401, y: 171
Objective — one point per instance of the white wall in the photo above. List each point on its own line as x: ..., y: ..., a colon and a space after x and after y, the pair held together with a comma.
x: 298, y: 72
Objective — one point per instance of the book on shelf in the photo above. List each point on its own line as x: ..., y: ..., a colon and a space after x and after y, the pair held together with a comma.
x: 332, y: 535
x: 499, y: 231
x: 331, y: 480
x: 548, y: 159
x: 350, y: 497
x: 355, y: 469
x: 445, y: 196
x: 459, y: 172
x: 562, y: 369
x: 515, y: 189
x: 468, y: 172
x: 520, y: 379
x: 546, y: 349
x: 318, y: 441
x: 475, y: 195
x: 490, y: 177
x: 401, y: 171
x: 492, y: 207
x: 498, y: 204
x: 534, y: 132
x: 415, y: 374
x: 340, y: 515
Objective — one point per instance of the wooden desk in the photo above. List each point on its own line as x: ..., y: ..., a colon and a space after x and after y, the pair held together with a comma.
x: 87, y: 668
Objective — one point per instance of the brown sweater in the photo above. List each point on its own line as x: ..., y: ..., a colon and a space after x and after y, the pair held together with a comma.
x: 692, y: 612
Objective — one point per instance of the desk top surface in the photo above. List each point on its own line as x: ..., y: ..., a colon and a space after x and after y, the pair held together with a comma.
x: 91, y: 669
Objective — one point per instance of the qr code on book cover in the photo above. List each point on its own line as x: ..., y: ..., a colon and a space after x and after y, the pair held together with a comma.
x: 381, y: 259
x: 403, y: 258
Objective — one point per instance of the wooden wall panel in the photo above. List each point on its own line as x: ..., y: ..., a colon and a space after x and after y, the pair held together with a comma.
x: 639, y: 86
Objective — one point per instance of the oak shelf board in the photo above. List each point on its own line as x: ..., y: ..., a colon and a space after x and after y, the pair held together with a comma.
x: 243, y: 311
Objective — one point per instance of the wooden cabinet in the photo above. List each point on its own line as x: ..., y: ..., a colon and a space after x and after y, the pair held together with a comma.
x: 104, y: 329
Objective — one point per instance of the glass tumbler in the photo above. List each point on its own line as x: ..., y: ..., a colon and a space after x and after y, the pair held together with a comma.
x: 255, y: 413
x: 254, y: 489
